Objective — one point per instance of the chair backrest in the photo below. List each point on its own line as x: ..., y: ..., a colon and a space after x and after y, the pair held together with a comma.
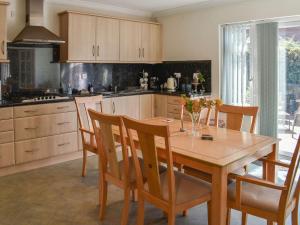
x: 292, y: 181
x: 82, y: 105
x: 235, y: 115
x: 147, y: 136
x: 107, y: 128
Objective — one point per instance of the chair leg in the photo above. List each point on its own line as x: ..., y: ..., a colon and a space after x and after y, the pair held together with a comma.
x: 295, y: 219
x: 141, y: 211
x: 228, y: 218
x: 244, y: 218
x: 102, y: 198
x: 185, y: 212
x: 84, y: 163
x: 209, y: 212
x: 171, y: 217
x: 269, y: 222
x: 125, y: 211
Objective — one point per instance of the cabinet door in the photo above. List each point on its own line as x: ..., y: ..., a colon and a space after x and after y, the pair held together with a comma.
x: 130, y: 41
x: 108, y: 39
x: 146, y: 106
x: 160, y: 105
x: 151, y: 42
x: 128, y: 105
x: 82, y: 37
x: 3, y: 33
x: 106, y: 106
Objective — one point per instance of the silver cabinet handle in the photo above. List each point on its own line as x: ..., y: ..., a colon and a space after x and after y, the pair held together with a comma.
x: 2, y: 47
x: 62, y: 107
x: 30, y: 111
x: 114, y: 108
x: 143, y: 53
x: 63, y: 123
x: 63, y: 144
x: 32, y: 150
x: 93, y: 50
x: 98, y: 50
x: 139, y: 52
x: 30, y: 128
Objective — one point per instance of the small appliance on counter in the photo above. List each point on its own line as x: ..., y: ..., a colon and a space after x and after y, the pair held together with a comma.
x: 154, y: 85
x: 171, y: 84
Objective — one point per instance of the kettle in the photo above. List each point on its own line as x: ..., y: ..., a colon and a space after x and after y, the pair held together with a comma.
x: 171, y: 84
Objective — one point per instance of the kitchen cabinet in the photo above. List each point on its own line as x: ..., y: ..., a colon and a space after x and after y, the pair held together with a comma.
x: 107, y: 39
x: 106, y: 106
x: 146, y: 106
x: 140, y: 42
x: 3, y: 31
x: 160, y: 105
x: 79, y: 33
x: 127, y: 105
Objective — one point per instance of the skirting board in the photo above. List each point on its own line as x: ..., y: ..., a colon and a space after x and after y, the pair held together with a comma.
x: 41, y: 163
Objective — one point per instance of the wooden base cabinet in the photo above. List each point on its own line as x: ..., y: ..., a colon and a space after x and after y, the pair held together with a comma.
x: 7, y: 155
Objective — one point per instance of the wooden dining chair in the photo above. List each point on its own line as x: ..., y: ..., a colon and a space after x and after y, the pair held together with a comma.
x: 170, y: 191
x: 111, y: 170
x: 234, y: 121
x: 265, y: 199
x: 85, y: 126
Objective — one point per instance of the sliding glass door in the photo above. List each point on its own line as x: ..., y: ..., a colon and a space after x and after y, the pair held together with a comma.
x: 289, y: 86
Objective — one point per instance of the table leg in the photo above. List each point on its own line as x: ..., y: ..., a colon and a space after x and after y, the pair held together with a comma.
x: 270, y: 169
x: 219, y: 196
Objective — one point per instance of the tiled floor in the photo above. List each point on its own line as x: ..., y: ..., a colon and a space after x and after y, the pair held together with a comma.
x: 57, y: 195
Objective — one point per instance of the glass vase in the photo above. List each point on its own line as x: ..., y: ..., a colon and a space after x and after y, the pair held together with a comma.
x: 194, y: 118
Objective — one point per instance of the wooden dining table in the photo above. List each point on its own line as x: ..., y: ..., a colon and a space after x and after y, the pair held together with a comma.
x: 228, y: 151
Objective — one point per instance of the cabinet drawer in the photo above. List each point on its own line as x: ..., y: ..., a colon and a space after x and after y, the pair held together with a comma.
x: 6, y: 125
x: 6, y: 137
x: 35, y: 149
x: 44, y: 109
x: 174, y: 109
x: 174, y: 100
x: 42, y: 126
x: 6, y: 113
x: 177, y: 116
x: 7, y: 155
x: 66, y: 143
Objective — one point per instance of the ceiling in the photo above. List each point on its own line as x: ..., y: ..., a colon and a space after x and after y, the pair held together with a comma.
x: 154, y: 6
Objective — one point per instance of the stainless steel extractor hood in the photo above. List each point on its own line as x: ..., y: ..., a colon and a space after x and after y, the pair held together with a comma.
x: 34, y: 32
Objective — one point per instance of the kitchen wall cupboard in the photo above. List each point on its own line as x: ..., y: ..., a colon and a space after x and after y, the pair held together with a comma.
x: 92, y: 38
x: 3, y: 31
x: 140, y: 42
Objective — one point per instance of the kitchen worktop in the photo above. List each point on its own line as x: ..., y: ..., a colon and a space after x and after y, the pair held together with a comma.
x: 11, y: 103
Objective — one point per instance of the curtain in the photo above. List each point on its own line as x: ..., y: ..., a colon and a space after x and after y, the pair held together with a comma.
x: 234, y: 64
x: 267, y: 76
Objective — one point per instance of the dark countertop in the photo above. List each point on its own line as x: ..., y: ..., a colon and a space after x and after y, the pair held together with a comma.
x: 11, y: 103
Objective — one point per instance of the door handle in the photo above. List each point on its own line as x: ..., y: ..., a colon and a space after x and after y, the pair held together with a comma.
x: 2, y: 47
x: 32, y: 150
x: 139, y: 52
x: 98, y: 50
x: 62, y: 107
x: 63, y: 144
x: 114, y: 108
x: 93, y: 51
x: 143, y: 53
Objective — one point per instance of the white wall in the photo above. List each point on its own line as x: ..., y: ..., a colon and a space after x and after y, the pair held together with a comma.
x: 195, y: 35
x: 16, y: 13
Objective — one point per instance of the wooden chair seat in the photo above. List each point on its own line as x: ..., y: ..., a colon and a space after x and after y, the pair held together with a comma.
x: 187, y: 188
x: 255, y: 196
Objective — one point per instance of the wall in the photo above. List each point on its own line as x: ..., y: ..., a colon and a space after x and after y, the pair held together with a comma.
x: 16, y: 13
x: 194, y: 35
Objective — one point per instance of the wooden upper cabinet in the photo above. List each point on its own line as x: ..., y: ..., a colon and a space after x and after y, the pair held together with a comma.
x: 140, y: 42
x: 79, y: 32
x: 92, y: 38
x: 151, y: 42
x: 108, y: 39
x: 3, y: 31
x: 130, y: 41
